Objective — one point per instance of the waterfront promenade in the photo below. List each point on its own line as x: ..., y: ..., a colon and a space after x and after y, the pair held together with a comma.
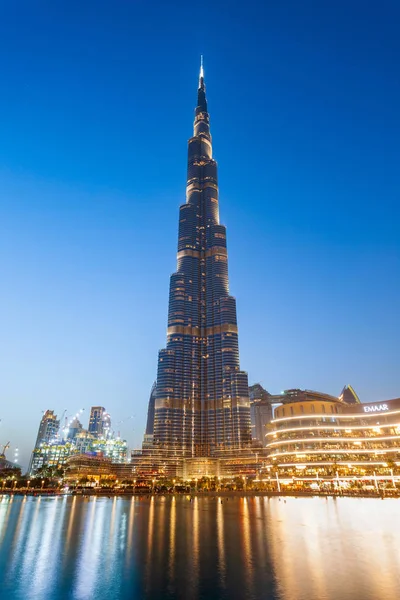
x: 388, y: 493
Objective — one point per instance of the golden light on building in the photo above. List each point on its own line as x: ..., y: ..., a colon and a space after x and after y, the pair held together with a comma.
x: 329, y: 439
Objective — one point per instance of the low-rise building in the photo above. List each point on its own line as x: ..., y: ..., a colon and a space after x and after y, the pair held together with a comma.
x: 319, y: 437
x: 90, y: 467
x: 95, y: 468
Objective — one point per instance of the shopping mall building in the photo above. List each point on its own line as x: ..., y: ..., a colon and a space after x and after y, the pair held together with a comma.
x: 315, y: 436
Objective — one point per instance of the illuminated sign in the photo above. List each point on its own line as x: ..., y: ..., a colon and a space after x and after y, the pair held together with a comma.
x: 376, y: 408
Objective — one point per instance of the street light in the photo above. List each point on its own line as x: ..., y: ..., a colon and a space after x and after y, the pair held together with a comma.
x: 174, y: 485
x: 134, y: 486
x: 152, y: 490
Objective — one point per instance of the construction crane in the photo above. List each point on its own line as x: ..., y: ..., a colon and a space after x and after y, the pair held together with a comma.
x: 5, y: 446
x: 123, y: 421
x: 69, y: 419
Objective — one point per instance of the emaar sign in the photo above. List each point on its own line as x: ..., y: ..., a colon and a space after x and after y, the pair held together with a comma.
x: 376, y: 408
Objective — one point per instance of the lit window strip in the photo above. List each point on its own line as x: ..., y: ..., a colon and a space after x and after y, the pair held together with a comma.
x: 337, y: 451
x: 329, y: 427
x: 328, y: 463
x: 330, y: 440
x: 337, y: 416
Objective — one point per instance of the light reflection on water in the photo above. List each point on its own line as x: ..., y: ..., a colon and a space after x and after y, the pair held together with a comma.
x: 244, y: 548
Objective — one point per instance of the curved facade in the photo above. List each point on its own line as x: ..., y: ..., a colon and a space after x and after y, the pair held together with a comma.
x: 326, y: 436
x: 202, y: 401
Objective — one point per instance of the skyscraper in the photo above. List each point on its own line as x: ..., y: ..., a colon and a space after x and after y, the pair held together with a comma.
x: 260, y: 412
x: 148, y: 435
x: 99, y: 422
x: 47, y: 433
x: 150, y: 411
x: 202, y: 399
x: 48, y: 428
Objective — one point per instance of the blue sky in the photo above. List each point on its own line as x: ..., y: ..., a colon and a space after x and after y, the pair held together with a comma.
x: 96, y: 107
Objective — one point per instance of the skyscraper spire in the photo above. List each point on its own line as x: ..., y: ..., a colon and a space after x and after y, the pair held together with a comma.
x: 201, y: 109
x: 201, y: 76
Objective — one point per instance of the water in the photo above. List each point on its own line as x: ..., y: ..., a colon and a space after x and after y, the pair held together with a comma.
x: 167, y: 548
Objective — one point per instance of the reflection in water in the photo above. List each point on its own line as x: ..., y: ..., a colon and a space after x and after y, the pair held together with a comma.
x: 172, y: 557
x: 221, y: 546
x: 246, y: 543
x: 89, y: 551
x: 195, y: 550
x: 150, y: 540
x: 174, y: 547
x: 345, y: 548
x: 129, y: 544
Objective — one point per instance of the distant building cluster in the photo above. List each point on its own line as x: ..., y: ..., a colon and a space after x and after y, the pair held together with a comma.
x: 56, y: 443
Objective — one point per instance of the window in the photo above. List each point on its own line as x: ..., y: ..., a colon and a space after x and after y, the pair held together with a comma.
x: 283, y: 412
x: 312, y: 408
x: 331, y: 409
x: 323, y: 408
x: 291, y: 410
x: 302, y: 409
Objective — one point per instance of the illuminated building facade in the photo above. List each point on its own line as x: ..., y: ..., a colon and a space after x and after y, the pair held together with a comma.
x: 55, y: 454
x: 47, y: 434
x: 329, y: 437
x: 202, y: 399
x: 52, y: 454
x: 97, y: 469
x: 115, y: 449
x: 92, y: 468
x: 84, y: 441
x: 48, y: 428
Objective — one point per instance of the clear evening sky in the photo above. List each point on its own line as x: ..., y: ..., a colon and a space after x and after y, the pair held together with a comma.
x: 96, y: 106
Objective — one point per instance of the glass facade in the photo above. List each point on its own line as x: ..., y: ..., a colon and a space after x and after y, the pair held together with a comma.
x: 99, y: 422
x: 48, y: 434
x: 201, y: 400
